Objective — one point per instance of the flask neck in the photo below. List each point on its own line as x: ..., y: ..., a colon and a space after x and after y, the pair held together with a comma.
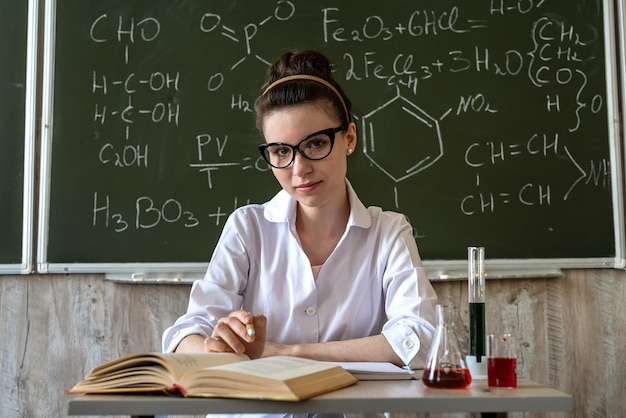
x: 445, y: 315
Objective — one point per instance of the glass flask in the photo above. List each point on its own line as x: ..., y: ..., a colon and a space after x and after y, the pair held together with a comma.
x: 445, y: 366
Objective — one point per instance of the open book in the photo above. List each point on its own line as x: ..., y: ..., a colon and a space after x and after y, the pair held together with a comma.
x: 216, y: 375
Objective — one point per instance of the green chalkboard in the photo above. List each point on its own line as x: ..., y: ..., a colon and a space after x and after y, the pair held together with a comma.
x: 486, y: 123
x: 13, y: 93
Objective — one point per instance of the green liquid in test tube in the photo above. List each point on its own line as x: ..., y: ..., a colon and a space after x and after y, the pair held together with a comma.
x: 476, y: 298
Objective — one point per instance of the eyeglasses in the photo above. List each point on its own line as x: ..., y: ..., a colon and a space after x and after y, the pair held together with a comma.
x: 316, y: 146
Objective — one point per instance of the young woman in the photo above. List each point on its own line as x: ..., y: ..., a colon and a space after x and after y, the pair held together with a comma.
x: 313, y: 271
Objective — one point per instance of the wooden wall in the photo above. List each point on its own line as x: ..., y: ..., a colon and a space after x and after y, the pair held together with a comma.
x: 53, y: 329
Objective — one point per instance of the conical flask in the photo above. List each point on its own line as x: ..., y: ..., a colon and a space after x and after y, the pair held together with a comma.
x: 446, y: 367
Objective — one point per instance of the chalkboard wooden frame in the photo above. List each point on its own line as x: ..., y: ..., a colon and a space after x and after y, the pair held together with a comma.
x: 621, y: 31
x: 438, y: 269
x: 26, y: 265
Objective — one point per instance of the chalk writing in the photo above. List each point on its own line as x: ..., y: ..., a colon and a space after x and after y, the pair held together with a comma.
x: 468, y: 115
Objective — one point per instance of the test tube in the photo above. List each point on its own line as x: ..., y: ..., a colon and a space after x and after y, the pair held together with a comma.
x: 476, y: 298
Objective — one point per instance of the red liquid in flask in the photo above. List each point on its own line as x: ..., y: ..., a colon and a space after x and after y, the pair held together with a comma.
x: 447, y: 378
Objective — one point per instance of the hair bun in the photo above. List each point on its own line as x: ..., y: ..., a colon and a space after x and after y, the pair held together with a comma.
x: 301, y: 77
x: 301, y: 62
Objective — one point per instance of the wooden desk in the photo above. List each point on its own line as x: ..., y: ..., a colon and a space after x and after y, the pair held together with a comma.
x: 365, y: 396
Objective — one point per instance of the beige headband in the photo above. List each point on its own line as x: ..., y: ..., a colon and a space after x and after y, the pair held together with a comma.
x: 312, y: 78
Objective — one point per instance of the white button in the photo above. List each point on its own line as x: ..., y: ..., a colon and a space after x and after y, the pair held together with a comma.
x: 310, y: 311
x: 408, y: 344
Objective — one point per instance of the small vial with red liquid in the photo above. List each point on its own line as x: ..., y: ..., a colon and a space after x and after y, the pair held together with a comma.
x: 501, y: 361
x: 502, y: 372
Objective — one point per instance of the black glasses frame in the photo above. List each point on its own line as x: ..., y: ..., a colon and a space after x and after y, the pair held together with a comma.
x: 330, y: 132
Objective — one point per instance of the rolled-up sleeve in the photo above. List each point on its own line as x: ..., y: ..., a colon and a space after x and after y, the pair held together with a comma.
x: 410, y: 336
x: 410, y: 301
x: 197, y: 320
x: 218, y: 294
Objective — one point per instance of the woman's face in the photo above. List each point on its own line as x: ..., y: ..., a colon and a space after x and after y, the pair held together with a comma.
x: 311, y: 183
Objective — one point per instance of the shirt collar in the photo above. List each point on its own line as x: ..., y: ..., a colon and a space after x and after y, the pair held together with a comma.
x: 282, y: 208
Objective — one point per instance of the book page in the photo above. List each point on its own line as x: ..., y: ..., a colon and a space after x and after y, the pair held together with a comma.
x: 174, y: 364
x: 278, y: 367
x: 279, y: 377
x: 183, y: 362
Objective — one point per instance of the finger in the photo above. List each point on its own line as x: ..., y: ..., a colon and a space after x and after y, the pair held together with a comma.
x: 216, y: 345
x: 247, y: 320
x: 260, y: 323
x: 260, y: 320
x: 244, y: 316
x: 231, y: 331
